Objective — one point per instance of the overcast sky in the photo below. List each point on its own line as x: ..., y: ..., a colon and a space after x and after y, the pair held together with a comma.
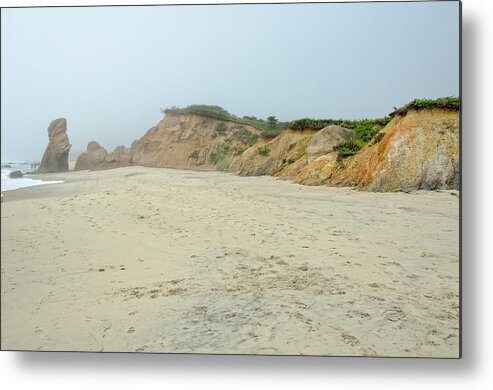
x: 109, y: 70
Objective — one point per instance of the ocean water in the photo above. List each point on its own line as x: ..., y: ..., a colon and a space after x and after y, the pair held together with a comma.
x: 9, y: 184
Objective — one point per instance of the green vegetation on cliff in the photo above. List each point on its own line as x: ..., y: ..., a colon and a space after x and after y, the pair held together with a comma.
x: 350, y: 147
x: 214, y: 112
x: 446, y: 103
x: 365, y: 128
x: 269, y: 128
x: 221, y: 128
x: 263, y: 150
x: 362, y: 126
x: 294, y: 158
x: 245, y: 136
x: 218, y: 158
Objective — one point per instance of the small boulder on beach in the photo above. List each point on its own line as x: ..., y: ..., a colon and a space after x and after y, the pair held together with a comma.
x: 15, y: 174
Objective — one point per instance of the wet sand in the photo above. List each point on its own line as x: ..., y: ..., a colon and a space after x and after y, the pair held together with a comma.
x: 161, y: 260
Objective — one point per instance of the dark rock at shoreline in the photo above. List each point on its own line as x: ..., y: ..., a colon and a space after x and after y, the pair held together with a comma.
x: 15, y: 174
x: 6, y: 166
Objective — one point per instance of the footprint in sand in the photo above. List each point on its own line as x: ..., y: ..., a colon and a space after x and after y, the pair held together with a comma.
x: 394, y: 315
x: 131, y: 330
x: 349, y: 339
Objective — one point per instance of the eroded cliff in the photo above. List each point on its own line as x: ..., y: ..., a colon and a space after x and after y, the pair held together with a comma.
x: 193, y: 141
x: 416, y: 150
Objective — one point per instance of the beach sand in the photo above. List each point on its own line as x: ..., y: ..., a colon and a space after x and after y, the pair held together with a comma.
x: 162, y: 260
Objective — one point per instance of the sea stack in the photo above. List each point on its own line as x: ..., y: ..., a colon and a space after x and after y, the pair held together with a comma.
x: 55, y: 158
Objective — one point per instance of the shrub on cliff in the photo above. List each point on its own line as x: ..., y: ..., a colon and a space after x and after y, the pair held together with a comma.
x: 264, y: 150
x: 221, y: 128
x: 359, y: 126
x: 220, y: 154
x: 246, y: 137
x: 272, y: 128
x: 272, y: 133
x: 368, y: 128
x: 294, y: 158
x: 350, y: 147
x: 223, y: 165
x: 218, y: 158
x: 303, y: 124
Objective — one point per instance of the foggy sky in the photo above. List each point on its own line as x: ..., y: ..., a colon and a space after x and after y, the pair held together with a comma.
x: 109, y: 70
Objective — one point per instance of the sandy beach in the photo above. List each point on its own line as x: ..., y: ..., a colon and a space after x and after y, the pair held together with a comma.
x: 161, y: 260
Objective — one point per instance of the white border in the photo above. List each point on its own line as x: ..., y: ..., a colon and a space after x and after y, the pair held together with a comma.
x: 473, y: 371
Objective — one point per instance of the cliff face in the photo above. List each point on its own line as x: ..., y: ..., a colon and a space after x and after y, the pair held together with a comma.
x: 286, y: 155
x: 55, y: 158
x: 271, y: 157
x: 192, y: 141
x: 417, y: 150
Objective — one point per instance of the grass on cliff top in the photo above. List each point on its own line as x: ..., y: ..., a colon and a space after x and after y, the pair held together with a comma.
x: 446, y: 103
x: 219, y: 113
x: 365, y: 128
x: 215, y: 112
x: 359, y: 126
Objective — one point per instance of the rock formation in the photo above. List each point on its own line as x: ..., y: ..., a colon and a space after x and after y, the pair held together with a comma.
x: 120, y: 157
x: 55, y: 158
x: 268, y: 157
x: 93, y: 158
x: 324, y: 141
x: 15, y: 174
x: 96, y: 157
x: 418, y: 149
x: 286, y: 155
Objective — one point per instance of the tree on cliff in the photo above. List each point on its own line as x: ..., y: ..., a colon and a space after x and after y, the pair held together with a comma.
x: 272, y: 122
x: 272, y: 128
